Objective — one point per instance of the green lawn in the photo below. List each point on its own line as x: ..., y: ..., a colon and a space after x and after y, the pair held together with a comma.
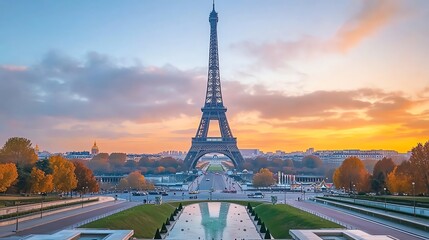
x: 281, y: 218
x: 145, y: 219
x: 215, y: 168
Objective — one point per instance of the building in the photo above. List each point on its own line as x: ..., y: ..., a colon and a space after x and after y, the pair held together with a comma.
x: 94, y: 149
x: 36, y: 149
x: 84, y: 155
x: 250, y: 152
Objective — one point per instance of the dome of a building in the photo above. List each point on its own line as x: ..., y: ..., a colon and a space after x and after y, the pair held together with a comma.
x: 94, y: 149
x: 36, y: 149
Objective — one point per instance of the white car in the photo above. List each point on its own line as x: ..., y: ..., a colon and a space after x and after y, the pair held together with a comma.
x: 255, y: 195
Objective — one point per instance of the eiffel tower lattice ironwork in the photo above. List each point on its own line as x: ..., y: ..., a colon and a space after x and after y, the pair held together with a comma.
x: 213, y: 110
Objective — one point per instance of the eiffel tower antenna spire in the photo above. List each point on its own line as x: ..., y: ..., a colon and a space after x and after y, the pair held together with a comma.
x: 213, y: 110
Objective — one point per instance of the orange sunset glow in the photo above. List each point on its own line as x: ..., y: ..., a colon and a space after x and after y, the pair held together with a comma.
x: 351, y: 75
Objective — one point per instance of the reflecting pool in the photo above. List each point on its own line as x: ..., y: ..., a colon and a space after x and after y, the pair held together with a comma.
x: 214, y: 220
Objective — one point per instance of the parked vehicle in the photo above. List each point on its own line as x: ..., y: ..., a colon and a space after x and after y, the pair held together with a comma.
x: 255, y: 195
x: 139, y: 193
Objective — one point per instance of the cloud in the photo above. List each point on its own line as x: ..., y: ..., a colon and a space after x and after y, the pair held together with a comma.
x: 373, y: 16
x: 334, y: 110
x: 96, y: 97
x: 97, y: 87
x: 13, y: 68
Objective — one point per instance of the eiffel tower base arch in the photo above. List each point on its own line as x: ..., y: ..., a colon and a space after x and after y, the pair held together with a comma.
x: 201, y: 148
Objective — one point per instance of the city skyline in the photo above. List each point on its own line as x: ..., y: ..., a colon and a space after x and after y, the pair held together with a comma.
x: 135, y: 82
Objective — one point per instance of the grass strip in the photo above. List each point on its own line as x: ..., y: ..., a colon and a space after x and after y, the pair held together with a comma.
x: 215, y: 168
x: 10, y: 201
x: 143, y: 219
x: 281, y: 218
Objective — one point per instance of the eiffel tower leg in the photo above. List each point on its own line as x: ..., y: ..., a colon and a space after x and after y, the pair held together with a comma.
x: 190, y: 159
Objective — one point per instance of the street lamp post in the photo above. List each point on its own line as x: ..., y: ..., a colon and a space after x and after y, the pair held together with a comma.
x: 17, y: 218
x: 285, y: 194
x: 414, y: 198
x: 81, y: 196
x: 354, y: 193
x: 41, y: 206
x: 384, y: 198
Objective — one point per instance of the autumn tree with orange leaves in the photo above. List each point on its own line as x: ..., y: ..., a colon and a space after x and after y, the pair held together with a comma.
x: 63, y: 174
x: 264, y: 178
x: 8, y: 175
x: 136, y: 180
x: 85, y: 178
x: 352, y: 172
x: 415, y: 170
x: 419, y: 163
x: 400, y: 179
x: 40, y: 182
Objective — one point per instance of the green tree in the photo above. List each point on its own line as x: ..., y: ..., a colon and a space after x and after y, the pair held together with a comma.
x: 131, y: 165
x: 117, y: 160
x: 379, y: 175
x: 63, y: 174
x: 312, y: 161
x: 146, y: 162
x: 43, y: 164
x: 8, y: 175
x: 260, y: 162
x: 100, y: 163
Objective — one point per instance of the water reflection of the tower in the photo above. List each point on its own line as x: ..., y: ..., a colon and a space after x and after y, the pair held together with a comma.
x: 214, y: 218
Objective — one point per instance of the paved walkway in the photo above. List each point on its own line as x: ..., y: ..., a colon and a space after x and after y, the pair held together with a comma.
x: 65, y: 219
x: 354, y: 220
x: 395, y: 215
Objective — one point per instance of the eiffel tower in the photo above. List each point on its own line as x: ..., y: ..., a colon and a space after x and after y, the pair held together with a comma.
x: 213, y: 110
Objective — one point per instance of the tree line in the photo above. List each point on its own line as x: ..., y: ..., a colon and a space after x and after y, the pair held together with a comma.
x: 387, y: 177
x: 311, y: 165
x: 116, y: 163
x: 22, y: 172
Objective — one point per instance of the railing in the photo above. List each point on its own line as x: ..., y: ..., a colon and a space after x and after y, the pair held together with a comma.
x: 214, y: 139
x: 99, y: 217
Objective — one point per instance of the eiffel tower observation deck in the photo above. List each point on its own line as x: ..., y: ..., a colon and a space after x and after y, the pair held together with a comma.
x: 213, y: 110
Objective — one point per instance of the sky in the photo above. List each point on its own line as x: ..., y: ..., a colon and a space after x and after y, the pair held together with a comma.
x: 132, y: 75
